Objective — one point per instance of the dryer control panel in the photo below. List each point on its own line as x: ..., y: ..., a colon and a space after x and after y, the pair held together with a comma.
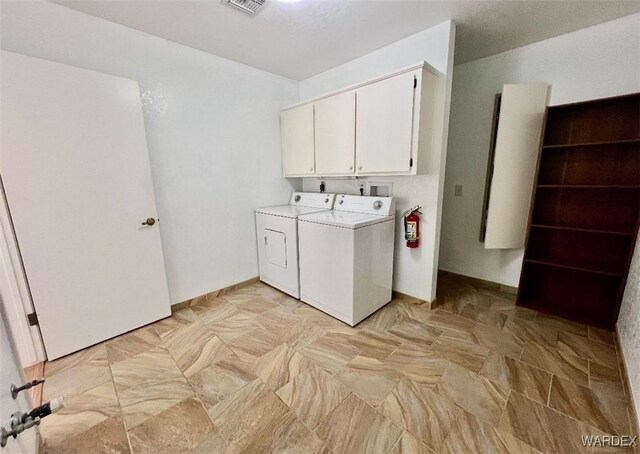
x: 382, y: 206
x: 312, y: 199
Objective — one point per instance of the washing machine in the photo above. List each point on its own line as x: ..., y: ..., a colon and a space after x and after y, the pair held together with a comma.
x: 277, y: 231
x: 346, y: 257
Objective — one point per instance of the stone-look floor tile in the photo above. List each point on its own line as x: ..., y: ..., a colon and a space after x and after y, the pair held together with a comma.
x: 449, y: 303
x: 251, y: 303
x: 302, y: 334
x: 602, y: 335
x: 147, y: 367
x: 470, y: 434
x: 95, y: 355
x: 280, y: 366
x: 282, y: 322
x: 418, y: 363
x: 558, y: 363
x: 474, y: 393
x: 499, y: 341
x: 312, y: 395
x: 483, y: 315
x: 219, y: 380
x: 316, y: 317
x: 369, y: 379
x: 542, y: 427
x: 216, y: 311
x: 80, y: 413
x: 375, y: 343
x: 234, y: 326
x: 513, y: 374
x: 606, y: 380
x: 139, y: 403
x: 466, y: 354
x: 288, y: 435
x: 106, y: 437
x: 179, y: 428
x: 413, y: 310
x: 588, y: 349
x: 410, y: 330
x: 385, y: 317
x: 255, y: 343
x: 330, y: 352
x: 213, y: 443
x: 532, y: 331
x: 246, y: 413
x: 411, y: 405
x: 131, y: 344
x: 562, y: 324
x: 180, y: 318
x: 605, y: 412
x: 76, y: 373
x: 408, y: 444
x: 195, y: 347
x: 451, y: 326
x: 354, y: 427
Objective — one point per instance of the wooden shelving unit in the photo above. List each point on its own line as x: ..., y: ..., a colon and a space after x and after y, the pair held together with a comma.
x: 585, y: 211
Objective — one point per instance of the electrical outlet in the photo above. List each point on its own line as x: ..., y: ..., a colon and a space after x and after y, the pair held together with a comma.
x: 458, y: 190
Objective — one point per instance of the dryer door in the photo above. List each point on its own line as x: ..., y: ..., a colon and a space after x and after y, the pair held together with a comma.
x: 278, y: 252
x: 275, y: 247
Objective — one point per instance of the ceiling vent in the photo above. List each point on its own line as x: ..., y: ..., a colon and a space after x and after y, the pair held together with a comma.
x: 248, y: 6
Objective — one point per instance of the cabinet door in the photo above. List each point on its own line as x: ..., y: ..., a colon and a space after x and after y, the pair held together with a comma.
x: 335, y: 129
x: 297, y: 141
x: 384, y: 125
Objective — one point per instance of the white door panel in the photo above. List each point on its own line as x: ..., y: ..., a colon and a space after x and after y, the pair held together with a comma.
x: 297, y: 141
x: 275, y: 246
x: 384, y: 125
x: 516, y: 154
x: 335, y: 134
x: 76, y: 172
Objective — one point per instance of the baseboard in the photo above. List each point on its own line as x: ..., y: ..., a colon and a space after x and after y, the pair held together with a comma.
x: 484, y: 283
x: 35, y: 372
x: 213, y: 294
x: 633, y: 416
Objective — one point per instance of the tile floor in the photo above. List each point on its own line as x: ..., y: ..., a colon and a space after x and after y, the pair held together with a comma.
x: 256, y: 371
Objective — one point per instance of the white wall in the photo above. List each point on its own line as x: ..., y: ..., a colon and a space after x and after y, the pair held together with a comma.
x: 212, y: 130
x: 415, y: 270
x: 595, y: 62
x: 629, y: 327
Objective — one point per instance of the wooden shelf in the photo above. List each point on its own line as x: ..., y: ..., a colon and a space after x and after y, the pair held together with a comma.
x: 579, y: 229
x: 585, y: 212
x: 591, y: 144
x: 587, y: 186
x: 574, y: 268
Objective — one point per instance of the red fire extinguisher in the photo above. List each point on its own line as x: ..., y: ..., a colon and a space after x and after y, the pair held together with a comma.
x: 412, y: 226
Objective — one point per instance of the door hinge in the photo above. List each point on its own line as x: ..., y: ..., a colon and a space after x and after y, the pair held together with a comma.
x: 32, y: 318
x: 415, y: 81
x: 411, y: 162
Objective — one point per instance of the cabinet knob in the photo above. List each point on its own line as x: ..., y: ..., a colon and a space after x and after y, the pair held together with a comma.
x: 311, y: 169
x: 359, y: 167
x: 350, y: 167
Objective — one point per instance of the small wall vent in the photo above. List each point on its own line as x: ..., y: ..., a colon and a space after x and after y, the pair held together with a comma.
x: 248, y: 6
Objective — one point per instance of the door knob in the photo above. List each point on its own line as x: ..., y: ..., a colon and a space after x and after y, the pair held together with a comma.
x: 149, y: 221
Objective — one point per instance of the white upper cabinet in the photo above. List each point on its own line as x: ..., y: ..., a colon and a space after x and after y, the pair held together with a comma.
x: 297, y: 141
x: 379, y: 127
x: 335, y: 128
x: 384, y: 126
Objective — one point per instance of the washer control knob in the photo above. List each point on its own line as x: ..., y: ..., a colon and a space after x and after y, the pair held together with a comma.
x: 377, y: 205
x: 326, y: 200
x: 341, y: 201
x: 297, y: 198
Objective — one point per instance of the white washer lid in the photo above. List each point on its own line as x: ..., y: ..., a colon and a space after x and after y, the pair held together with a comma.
x: 344, y: 219
x: 289, y: 211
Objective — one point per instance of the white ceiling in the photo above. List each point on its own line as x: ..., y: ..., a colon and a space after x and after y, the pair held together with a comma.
x: 298, y: 40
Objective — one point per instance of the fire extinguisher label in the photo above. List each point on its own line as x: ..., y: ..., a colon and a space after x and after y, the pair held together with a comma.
x: 412, y: 231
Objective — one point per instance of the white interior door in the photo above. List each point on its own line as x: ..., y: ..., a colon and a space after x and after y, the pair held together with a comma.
x: 384, y: 125
x: 335, y: 134
x: 516, y: 154
x: 297, y: 141
x: 75, y: 167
